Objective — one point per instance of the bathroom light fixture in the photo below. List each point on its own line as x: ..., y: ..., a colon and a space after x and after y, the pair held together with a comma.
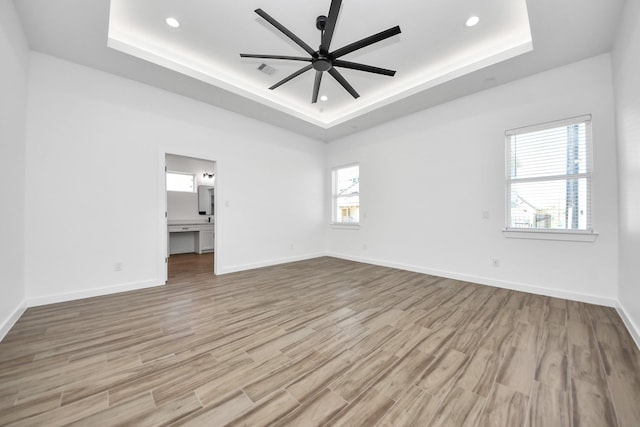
x: 207, y: 175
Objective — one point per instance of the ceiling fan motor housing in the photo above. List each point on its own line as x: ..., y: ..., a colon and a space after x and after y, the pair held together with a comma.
x: 322, y: 63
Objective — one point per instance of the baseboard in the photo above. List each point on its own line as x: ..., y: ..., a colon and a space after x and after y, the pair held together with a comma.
x: 95, y: 292
x: 633, y: 329
x: 268, y: 263
x: 532, y: 289
x: 8, y: 323
x: 88, y: 293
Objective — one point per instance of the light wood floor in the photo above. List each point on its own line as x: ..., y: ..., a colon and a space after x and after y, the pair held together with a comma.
x: 190, y: 267
x: 320, y: 342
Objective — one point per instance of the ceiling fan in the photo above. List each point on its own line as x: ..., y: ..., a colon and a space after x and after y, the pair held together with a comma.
x: 323, y: 59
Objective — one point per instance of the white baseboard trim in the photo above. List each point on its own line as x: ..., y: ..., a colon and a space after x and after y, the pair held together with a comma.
x: 88, y: 293
x: 633, y: 329
x: 268, y: 263
x: 95, y: 292
x: 532, y: 289
x: 8, y: 323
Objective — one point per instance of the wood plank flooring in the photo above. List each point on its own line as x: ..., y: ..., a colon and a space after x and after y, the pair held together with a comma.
x: 319, y: 342
x: 189, y: 266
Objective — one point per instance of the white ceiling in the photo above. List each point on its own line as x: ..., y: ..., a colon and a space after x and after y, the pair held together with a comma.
x: 434, y: 45
x: 437, y: 58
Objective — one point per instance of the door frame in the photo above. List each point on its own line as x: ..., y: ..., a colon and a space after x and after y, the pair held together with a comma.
x: 163, y: 248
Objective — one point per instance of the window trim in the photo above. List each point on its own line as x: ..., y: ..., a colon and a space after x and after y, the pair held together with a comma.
x: 335, y: 196
x: 542, y: 234
x: 586, y: 235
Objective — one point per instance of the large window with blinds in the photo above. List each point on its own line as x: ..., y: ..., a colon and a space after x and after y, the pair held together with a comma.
x: 549, y: 176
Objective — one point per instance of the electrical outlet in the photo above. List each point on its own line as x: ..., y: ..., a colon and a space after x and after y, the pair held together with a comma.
x: 495, y: 262
x: 485, y: 214
x: 291, y: 246
x: 364, y: 246
x: 117, y: 266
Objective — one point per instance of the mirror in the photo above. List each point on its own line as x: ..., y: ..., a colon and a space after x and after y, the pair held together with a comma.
x: 205, y: 200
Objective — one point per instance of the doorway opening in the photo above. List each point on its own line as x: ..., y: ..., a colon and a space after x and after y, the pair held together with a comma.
x: 189, y: 265
x: 190, y: 195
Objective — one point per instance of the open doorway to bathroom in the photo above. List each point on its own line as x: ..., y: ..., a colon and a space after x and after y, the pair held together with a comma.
x: 190, y: 202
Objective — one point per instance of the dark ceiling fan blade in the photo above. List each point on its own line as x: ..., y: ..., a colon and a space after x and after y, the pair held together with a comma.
x: 327, y: 35
x: 289, y: 58
x: 363, y: 67
x: 316, y: 87
x: 345, y: 84
x: 366, y: 42
x: 285, y: 31
x: 292, y: 76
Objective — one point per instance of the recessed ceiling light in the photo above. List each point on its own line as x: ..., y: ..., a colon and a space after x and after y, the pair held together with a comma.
x: 172, y: 22
x: 324, y: 98
x: 471, y: 22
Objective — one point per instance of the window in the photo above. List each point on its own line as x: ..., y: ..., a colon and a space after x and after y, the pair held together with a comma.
x: 549, y: 177
x: 181, y: 181
x: 346, y: 195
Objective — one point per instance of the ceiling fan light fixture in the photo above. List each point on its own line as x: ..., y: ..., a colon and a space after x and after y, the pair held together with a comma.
x: 472, y: 21
x: 172, y: 22
x: 324, y: 60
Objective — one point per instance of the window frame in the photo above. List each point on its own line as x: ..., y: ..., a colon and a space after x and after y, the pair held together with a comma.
x: 588, y: 234
x: 335, y: 196
x: 193, y: 177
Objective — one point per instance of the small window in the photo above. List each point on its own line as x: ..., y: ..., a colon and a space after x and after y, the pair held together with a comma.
x: 346, y: 195
x: 181, y: 181
x: 549, y: 177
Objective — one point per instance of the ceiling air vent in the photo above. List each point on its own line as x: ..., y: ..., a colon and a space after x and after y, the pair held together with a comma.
x: 267, y: 69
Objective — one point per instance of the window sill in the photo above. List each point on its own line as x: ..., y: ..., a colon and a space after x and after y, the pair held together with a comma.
x: 345, y: 225
x: 566, y: 236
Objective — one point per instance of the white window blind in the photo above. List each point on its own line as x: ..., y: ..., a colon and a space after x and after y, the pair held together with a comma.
x: 549, y: 176
x: 346, y: 195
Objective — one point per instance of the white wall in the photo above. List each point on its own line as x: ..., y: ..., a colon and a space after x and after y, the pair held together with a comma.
x: 95, y: 146
x: 181, y: 205
x: 14, y: 60
x: 626, y: 69
x: 426, y: 178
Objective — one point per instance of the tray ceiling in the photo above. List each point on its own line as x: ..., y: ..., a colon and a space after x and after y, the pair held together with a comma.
x: 435, y: 46
x: 437, y: 57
